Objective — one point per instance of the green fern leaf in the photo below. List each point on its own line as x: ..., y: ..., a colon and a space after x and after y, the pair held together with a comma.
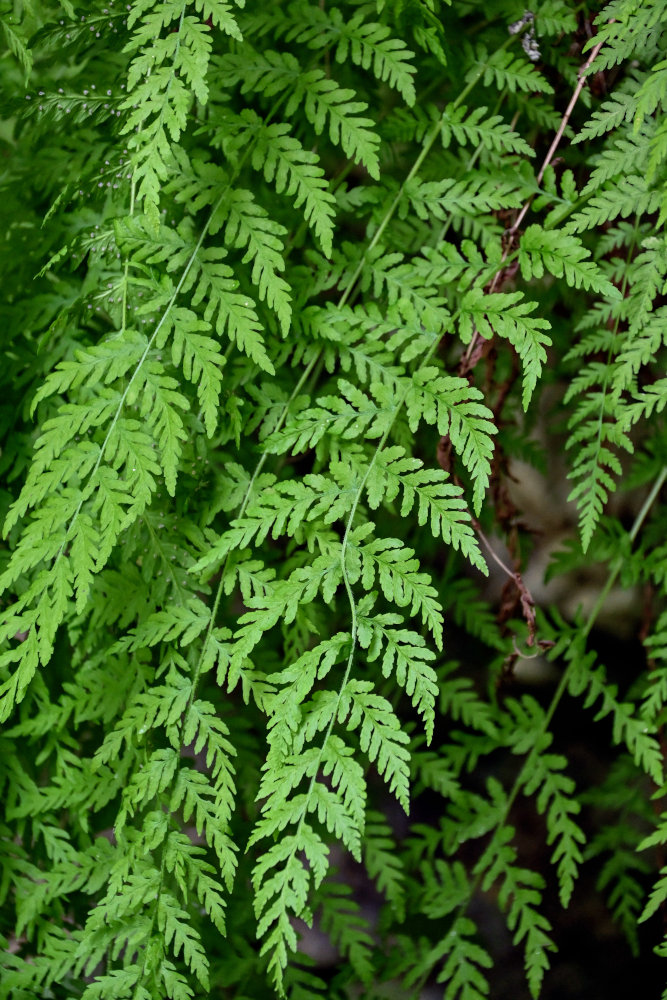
x: 381, y: 736
x: 440, y: 199
x: 439, y: 502
x: 406, y: 655
x: 295, y: 172
x: 508, y: 315
x: 562, y: 255
x: 400, y: 580
x: 455, y: 408
x: 503, y: 69
x: 463, y: 971
x: 472, y: 126
x: 620, y: 109
x: 324, y: 102
x: 383, y: 863
x: 629, y: 196
x: 173, y: 922
x: 368, y: 44
x: 247, y: 224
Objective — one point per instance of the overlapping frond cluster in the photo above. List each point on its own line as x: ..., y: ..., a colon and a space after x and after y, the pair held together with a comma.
x: 627, y: 183
x: 270, y: 351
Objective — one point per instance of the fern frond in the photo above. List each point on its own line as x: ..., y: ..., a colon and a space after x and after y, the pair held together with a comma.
x: 627, y: 156
x: 367, y: 43
x: 380, y: 736
x: 464, y: 970
x: 347, y: 929
x: 348, y: 415
x: 595, y: 459
x: 325, y: 103
x: 588, y: 678
x: 294, y: 171
x: 455, y: 409
x: 508, y: 315
x: 439, y: 502
x: 473, y: 126
x: 519, y: 895
x: 617, y: 111
x: 563, y: 256
x: 164, y: 73
x: 383, y: 862
x: 248, y: 226
x: 555, y: 800
x: 254, y: 277
x: 505, y: 70
x: 440, y: 199
x: 398, y: 574
x: 624, y: 29
x: 629, y: 196
x: 406, y: 654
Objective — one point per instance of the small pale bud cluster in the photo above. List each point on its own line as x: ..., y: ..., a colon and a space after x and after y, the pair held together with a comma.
x: 528, y: 40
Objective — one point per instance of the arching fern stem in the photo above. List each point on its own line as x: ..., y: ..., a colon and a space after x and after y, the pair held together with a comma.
x: 197, y: 670
x: 305, y: 376
x: 309, y: 371
x: 345, y: 296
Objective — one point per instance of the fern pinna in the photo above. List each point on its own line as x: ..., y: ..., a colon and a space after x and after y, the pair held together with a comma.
x: 291, y: 289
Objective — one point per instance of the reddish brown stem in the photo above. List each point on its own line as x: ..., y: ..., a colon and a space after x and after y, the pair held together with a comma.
x: 473, y: 347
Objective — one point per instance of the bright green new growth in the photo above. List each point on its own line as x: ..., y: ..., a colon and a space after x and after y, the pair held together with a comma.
x: 284, y: 286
